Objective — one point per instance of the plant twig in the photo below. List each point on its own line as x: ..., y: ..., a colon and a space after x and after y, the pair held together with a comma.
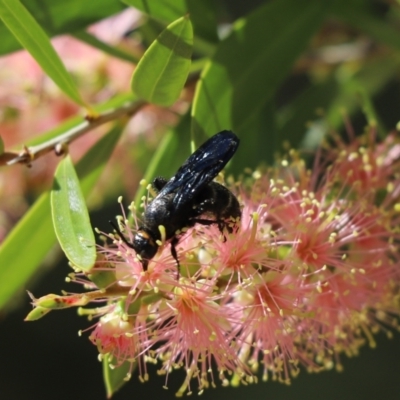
x: 29, y: 154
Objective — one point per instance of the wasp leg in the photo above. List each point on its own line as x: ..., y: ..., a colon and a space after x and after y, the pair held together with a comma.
x: 220, y: 222
x: 202, y: 221
x: 218, y: 201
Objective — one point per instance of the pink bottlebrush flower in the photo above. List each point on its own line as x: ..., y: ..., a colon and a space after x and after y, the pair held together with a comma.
x: 365, y: 163
x: 112, y: 335
x: 271, y: 307
x: 309, y: 272
x: 194, y: 330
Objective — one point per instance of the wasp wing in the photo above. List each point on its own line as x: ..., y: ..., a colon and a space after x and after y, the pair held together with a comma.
x: 201, y: 168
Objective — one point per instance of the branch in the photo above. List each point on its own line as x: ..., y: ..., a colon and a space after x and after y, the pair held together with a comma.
x: 57, y: 144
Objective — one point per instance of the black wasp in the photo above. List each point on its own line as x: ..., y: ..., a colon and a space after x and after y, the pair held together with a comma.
x: 189, y: 198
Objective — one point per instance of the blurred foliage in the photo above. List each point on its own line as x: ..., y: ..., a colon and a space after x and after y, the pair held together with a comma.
x: 272, y: 71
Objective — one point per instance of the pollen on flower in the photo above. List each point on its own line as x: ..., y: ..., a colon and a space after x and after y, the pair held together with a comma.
x: 307, y: 274
x: 113, y: 335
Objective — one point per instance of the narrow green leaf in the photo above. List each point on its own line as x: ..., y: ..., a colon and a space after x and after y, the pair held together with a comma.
x: 37, y: 313
x: 163, y: 10
x: 294, y: 117
x: 71, y: 218
x: 58, y: 16
x: 248, y: 67
x: 114, y: 378
x: 25, y: 248
x: 32, y: 37
x: 172, y: 151
x: 1, y: 145
x: 163, y: 69
x: 260, y: 145
x: 32, y: 238
x: 202, y: 15
x: 204, y: 19
x: 168, y: 156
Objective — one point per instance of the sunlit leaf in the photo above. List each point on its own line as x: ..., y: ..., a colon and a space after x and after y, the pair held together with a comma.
x: 163, y: 69
x: 32, y: 37
x: 32, y: 238
x: 59, y: 16
x: 71, y: 218
x: 25, y: 247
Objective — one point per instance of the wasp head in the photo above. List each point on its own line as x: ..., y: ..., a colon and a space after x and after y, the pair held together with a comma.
x: 143, y: 243
x: 145, y: 247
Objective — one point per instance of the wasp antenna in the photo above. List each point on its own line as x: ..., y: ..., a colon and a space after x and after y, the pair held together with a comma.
x: 121, y: 235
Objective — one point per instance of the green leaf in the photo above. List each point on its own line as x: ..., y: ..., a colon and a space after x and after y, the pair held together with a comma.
x: 172, y: 151
x: 163, y: 69
x: 32, y: 238
x: 103, y: 278
x: 163, y: 10
x: 257, y: 147
x: 32, y: 37
x: 37, y: 313
x: 71, y: 218
x: 202, y: 14
x: 25, y: 247
x: 248, y: 67
x: 1, y: 146
x: 204, y: 19
x: 295, y: 116
x: 114, y: 378
x: 60, y: 16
